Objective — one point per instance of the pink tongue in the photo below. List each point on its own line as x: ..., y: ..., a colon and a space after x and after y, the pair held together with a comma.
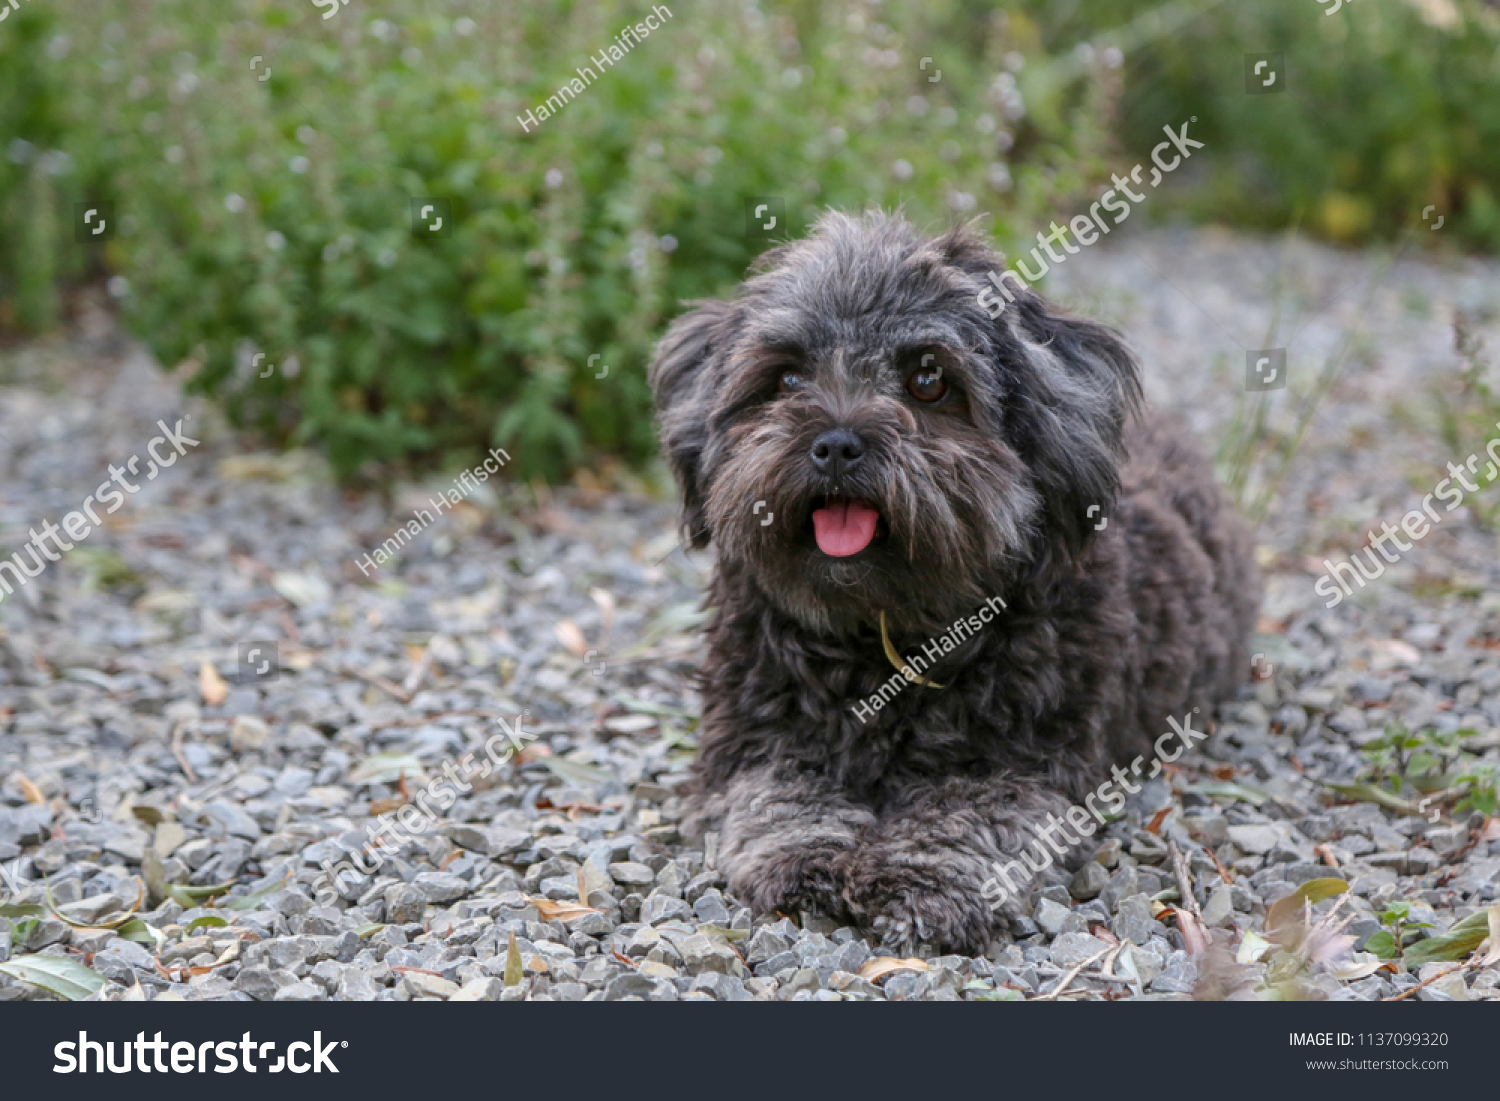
x: 844, y: 528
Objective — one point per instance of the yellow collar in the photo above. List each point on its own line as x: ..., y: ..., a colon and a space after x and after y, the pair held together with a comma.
x: 901, y: 666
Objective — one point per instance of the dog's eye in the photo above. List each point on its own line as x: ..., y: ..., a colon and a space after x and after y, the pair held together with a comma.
x: 927, y: 385
x: 790, y: 380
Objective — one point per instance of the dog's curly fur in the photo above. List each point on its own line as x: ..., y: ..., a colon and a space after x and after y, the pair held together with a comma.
x: 1107, y: 629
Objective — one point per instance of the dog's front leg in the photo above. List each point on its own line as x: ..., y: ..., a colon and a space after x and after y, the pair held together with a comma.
x: 781, y: 836
x: 921, y: 873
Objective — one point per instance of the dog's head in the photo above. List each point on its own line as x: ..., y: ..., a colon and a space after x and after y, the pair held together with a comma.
x: 856, y: 432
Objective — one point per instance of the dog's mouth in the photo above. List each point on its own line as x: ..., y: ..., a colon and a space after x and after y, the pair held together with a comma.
x: 844, y: 526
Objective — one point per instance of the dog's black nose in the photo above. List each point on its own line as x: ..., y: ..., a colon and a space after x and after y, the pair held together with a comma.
x: 836, y: 452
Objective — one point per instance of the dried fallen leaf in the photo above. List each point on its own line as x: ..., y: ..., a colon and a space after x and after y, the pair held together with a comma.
x: 1252, y: 948
x: 514, y: 972
x: 605, y: 601
x: 571, y: 637
x: 1194, y: 937
x: 211, y: 685
x: 301, y: 589
x: 1492, y: 957
x: 1389, y: 653
x: 1327, y: 854
x: 881, y: 966
x: 1157, y: 819
x: 565, y: 912
x: 1314, y: 891
x: 30, y: 791
x: 385, y: 806
x: 115, y: 924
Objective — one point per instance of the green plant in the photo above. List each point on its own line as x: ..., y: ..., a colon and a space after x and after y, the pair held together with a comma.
x: 1399, y: 931
x: 276, y: 218
x: 1431, y: 763
x: 273, y: 216
x: 1468, y: 412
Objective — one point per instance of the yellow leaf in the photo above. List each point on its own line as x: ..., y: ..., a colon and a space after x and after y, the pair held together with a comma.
x: 1289, y: 907
x: 211, y: 685
x: 881, y: 966
x: 32, y: 793
x: 562, y: 911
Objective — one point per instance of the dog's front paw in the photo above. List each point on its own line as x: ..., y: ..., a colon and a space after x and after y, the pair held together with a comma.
x: 903, y: 908
x: 789, y: 880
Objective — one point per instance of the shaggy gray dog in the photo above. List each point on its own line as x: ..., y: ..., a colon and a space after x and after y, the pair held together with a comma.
x: 876, y: 457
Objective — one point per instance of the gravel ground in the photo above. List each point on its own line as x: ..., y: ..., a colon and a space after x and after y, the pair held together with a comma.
x: 138, y: 742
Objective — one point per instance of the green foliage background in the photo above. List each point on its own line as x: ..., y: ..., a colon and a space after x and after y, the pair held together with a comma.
x: 275, y: 215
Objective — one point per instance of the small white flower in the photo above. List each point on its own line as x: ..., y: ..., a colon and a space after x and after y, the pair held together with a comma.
x: 233, y: 203
x: 553, y: 178
x: 305, y: 134
x: 902, y: 170
x: 275, y: 241
x: 299, y: 165
x: 916, y: 105
x: 668, y: 243
x: 950, y: 151
x: 464, y: 27
x: 118, y: 286
x: 175, y: 154
x: 654, y: 149
x: 386, y: 258
x: 411, y: 55
x: 58, y: 48
x: 187, y: 82
x: 1113, y: 58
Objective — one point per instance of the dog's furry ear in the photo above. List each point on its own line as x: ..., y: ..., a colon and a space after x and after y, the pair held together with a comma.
x: 683, y: 404
x: 1073, y: 384
x: 1079, y: 383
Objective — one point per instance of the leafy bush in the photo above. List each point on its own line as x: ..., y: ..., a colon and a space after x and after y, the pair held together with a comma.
x: 276, y: 216
x: 273, y: 218
x: 1390, y: 106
